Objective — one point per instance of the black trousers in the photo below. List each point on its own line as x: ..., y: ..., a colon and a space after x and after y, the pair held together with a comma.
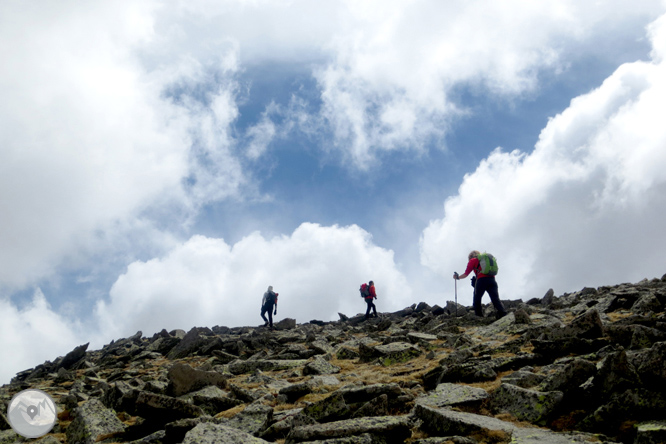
x: 487, y: 284
x: 371, y: 306
x: 268, y: 307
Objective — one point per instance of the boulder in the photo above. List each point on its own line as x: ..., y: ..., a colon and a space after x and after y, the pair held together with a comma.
x: 74, y: 356
x: 184, y: 379
x: 651, y: 432
x: 163, y: 409
x: 240, y: 367
x: 320, y: 366
x: 525, y: 404
x: 452, y: 395
x: 393, y: 429
x: 253, y: 420
x: 210, y: 433
x: 191, y: 343
x: 393, y: 353
x: 93, y: 422
x: 332, y: 408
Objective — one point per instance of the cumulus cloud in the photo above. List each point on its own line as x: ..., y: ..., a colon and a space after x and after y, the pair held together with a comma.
x: 316, y: 270
x: 582, y: 208
x: 32, y: 335
x: 397, y: 65
x: 93, y: 137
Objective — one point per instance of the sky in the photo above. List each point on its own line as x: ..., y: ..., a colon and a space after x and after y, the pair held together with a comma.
x: 163, y: 163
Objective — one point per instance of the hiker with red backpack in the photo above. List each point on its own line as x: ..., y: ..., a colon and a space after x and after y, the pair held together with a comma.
x: 485, y: 268
x: 268, y: 304
x: 368, y: 293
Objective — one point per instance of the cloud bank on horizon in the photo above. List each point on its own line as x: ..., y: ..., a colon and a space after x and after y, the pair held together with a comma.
x: 121, y: 129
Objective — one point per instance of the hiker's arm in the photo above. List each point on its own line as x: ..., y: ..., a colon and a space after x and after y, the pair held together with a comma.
x: 470, y: 267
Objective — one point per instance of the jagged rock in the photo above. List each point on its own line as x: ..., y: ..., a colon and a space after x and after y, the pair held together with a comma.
x: 285, y: 324
x: 572, y: 376
x: 210, y: 433
x: 356, y: 396
x: 389, y: 354
x: 92, y: 423
x: 609, y: 367
x: 525, y: 404
x: 522, y: 317
x: 394, y: 429
x: 320, y: 366
x: 651, y: 365
x: 420, y: 338
x: 253, y: 420
x: 375, y: 407
x: 645, y: 337
x: 74, y: 356
x: 284, y: 422
x: 445, y: 422
x: 525, y: 379
x: 212, y: 400
x: 194, y: 340
x: 240, y: 367
x: 616, y: 374
x: 184, y: 379
x: 10, y: 437
x: 242, y: 394
x: 652, y: 432
x: 321, y: 347
x: 331, y: 408
x: 347, y: 353
x: 634, y: 405
x: 121, y: 397
x: 164, y: 409
x: 4, y: 423
x: 452, y: 395
x: 295, y: 391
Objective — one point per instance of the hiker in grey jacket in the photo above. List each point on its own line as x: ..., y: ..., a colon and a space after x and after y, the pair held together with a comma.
x: 268, y: 304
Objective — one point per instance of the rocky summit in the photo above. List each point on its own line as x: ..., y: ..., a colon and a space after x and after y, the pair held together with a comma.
x: 585, y: 367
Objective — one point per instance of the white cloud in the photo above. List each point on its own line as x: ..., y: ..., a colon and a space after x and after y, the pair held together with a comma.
x: 93, y: 138
x: 396, y: 64
x: 317, y: 271
x: 582, y: 209
x: 32, y: 335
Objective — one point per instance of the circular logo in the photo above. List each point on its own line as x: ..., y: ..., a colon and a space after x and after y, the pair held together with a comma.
x: 32, y: 413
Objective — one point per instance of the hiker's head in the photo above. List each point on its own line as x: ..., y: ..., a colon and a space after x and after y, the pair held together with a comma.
x: 270, y: 288
x: 473, y: 253
x: 371, y: 283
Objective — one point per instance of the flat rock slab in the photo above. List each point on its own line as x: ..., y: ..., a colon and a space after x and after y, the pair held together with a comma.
x: 652, y: 432
x: 209, y: 433
x: 452, y: 394
x: 446, y: 422
x: 91, y: 422
x: 394, y: 428
x: 525, y: 404
x: 242, y: 367
x: 185, y: 379
x: 394, y: 353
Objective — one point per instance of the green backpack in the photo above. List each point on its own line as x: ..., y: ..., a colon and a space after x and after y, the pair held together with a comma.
x: 488, y: 264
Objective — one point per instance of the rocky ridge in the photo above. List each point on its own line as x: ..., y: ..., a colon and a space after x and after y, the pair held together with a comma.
x: 582, y: 367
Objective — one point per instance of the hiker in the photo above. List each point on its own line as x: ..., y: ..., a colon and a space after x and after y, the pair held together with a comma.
x: 268, y: 303
x: 483, y: 283
x: 369, y: 294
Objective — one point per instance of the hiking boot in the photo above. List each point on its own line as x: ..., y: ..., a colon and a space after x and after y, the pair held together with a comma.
x: 265, y: 324
x: 501, y: 315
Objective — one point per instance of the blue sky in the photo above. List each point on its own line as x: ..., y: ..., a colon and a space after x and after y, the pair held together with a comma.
x: 163, y: 163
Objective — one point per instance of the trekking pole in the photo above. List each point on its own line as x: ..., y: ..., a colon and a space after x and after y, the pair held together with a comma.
x: 456, y: 291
